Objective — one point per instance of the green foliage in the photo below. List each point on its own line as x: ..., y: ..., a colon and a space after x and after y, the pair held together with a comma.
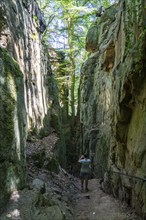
x: 68, y: 22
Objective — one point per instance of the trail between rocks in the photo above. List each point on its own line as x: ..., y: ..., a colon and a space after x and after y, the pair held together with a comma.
x: 96, y: 205
x: 60, y: 198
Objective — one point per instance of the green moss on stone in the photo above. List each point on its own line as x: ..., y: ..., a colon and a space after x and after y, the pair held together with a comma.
x: 8, y: 102
x: 2, y: 21
x: 12, y: 159
x: 53, y: 165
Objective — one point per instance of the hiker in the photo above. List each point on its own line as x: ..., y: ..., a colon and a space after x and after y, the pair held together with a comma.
x: 85, y: 171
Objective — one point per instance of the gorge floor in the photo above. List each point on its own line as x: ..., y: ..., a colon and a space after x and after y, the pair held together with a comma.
x: 30, y: 204
x: 91, y: 205
x: 96, y: 205
x: 51, y: 196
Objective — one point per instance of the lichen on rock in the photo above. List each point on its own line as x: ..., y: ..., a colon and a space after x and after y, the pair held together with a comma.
x: 12, y: 126
x: 112, y: 99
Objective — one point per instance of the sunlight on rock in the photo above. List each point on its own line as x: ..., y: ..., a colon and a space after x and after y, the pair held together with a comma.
x: 15, y: 196
x: 2, y: 81
x: 8, y: 215
x: 107, y: 99
x: 17, y: 135
x: 15, y: 213
x: 12, y: 87
x: 12, y: 180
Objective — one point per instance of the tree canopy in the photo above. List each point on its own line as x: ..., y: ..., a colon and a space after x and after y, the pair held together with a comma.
x: 67, y: 24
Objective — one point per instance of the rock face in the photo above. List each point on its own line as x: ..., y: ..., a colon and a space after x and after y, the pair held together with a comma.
x: 12, y: 127
x: 112, y: 100
x: 20, y: 34
x: 25, y: 85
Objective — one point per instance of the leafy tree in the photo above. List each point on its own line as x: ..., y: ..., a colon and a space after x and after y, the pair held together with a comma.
x: 68, y: 22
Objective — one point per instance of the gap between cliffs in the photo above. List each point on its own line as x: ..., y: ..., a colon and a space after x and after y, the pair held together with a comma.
x: 56, y: 195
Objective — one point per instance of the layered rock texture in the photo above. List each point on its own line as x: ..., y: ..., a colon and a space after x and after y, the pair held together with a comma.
x: 112, y: 100
x: 26, y: 89
x: 20, y: 34
x: 12, y: 127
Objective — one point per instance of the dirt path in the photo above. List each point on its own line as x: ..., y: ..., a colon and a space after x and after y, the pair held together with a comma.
x: 96, y: 205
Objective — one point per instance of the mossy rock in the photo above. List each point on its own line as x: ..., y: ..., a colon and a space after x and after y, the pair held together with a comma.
x: 51, y: 213
x: 12, y: 126
x: 39, y: 158
x: 2, y: 21
x: 52, y: 165
x: 92, y: 38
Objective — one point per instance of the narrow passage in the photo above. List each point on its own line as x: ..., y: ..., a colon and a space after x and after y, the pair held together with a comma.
x: 96, y: 205
x: 51, y: 196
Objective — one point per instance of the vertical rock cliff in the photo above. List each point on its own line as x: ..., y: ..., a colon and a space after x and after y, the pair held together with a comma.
x: 21, y: 27
x: 12, y: 127
x: 26, y: 89
x: 112, y: 100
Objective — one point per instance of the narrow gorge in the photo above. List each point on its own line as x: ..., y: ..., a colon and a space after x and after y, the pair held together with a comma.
x: 40, y: 141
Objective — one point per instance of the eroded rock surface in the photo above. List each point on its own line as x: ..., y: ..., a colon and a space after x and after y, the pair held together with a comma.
x: 27, y: 89
x: 12, y: 127
x: 112, y: 99
x: 20, y: 35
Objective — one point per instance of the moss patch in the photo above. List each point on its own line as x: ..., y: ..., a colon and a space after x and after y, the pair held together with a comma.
x: 12, y: 132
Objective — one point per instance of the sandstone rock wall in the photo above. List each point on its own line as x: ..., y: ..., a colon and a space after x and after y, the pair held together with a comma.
x: 12, y: 127
x: 20, y: 34
x: 24, y: 88
x: 112, y: 100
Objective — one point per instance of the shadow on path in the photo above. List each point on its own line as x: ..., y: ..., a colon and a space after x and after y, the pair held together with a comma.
x: 96, y: 205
